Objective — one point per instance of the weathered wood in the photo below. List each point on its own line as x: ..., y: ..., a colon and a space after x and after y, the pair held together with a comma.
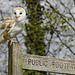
x: 17, y: 61
x: 14, y: 59
x: 49, y: 64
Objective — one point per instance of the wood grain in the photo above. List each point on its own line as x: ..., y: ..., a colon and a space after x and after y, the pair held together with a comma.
x: 15, y: 59
x: 49, y: 64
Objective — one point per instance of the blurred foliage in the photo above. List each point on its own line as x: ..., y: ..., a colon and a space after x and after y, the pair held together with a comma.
x: 4, y: 71
x: 29, y: 72
x: 57, y: 24
x: 35, y: 34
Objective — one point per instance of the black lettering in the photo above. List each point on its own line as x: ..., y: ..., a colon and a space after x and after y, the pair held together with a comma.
x: 74, y: 66
x: 29, y: 61
x: 61, y: 65
x: 71, y: 66
x: 37, y: 62
x: 45, y: 63
x: 53, y: 64
x: 57, y: 64
x: 67, y: 65
x: 40, y: 63
x: 33, y: 62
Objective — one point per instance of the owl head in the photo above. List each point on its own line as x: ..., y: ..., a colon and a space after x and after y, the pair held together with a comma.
x: 18, y: 13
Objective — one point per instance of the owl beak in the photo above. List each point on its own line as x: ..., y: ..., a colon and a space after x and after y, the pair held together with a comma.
x: 17, y: 17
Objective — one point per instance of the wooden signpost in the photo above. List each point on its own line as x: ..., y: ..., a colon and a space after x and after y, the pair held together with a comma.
x: 49, y: 64
x: 17, y: 61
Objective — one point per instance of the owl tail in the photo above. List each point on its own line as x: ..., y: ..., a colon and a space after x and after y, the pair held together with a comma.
x: 2, y: 39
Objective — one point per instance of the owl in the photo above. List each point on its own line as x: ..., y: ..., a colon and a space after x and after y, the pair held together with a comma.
x: 13, y: 25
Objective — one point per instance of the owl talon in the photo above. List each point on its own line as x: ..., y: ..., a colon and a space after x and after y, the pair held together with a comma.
x: 10, y: 42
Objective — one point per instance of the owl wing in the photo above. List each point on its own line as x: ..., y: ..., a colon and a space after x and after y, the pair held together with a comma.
x: 6, y: 26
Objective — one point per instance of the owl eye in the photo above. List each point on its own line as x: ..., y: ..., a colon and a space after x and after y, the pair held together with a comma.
x: 20, y: 13
x: 15, y: 13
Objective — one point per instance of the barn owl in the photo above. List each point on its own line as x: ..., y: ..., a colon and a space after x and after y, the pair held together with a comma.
x: 13, y: 25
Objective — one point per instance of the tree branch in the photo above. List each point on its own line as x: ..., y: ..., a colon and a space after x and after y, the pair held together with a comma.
x: 68, y: 9
x: 65, y: 44
x: 60, y: 15
x: 49, y: 43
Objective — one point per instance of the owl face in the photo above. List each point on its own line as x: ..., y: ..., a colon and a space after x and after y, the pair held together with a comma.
x: 18, y: 14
